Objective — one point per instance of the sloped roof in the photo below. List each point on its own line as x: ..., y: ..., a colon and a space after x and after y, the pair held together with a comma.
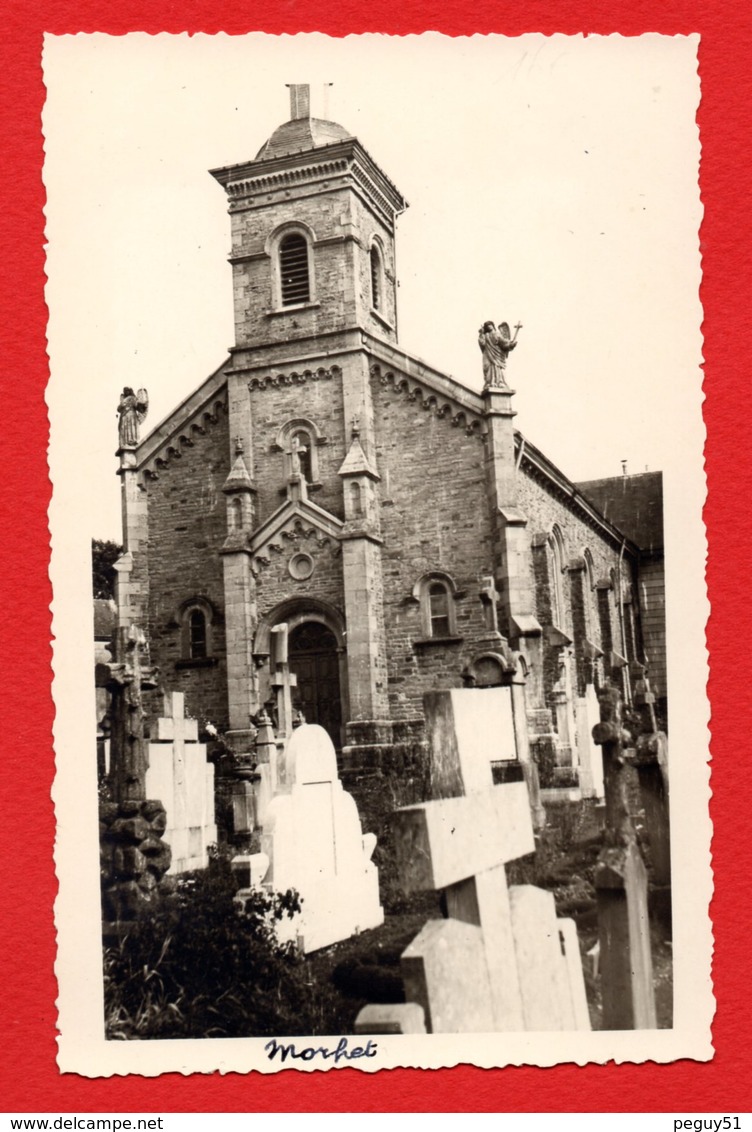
x: 634, y: 504
x: 300, y: 135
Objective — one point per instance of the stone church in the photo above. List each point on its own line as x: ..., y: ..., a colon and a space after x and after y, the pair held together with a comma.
x: 407, y: 534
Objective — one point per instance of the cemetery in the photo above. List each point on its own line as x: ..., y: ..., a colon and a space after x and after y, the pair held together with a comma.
x: 458, y: 910
x: 382, y: 739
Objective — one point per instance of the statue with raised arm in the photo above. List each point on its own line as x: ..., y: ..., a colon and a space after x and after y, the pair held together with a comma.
x: 496, y: 346
x: 132, y: 411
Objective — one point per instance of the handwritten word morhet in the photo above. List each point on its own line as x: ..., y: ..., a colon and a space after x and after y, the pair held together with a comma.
x: 340, y: 1052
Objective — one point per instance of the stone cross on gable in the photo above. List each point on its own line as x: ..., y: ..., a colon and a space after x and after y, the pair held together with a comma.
x: 295, y: 451
x: 297, y: 487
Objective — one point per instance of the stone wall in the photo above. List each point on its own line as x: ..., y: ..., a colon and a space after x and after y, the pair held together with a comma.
x: 272, y: 407
x: 434, y: 517
x: 187, y: 527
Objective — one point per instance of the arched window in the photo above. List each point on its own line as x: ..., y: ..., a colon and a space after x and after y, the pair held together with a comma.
x: 196, y: 618
x: 589, y: 599
x: 294, y: 274
x: 236, y: 514
x: 437, y: 593
x: 438, y: 609
x: 302, y: 447
x: 299, y: 440
x: 376, y: 277
x: 356, y: 499
x: 197, y: 634
x: 556, y: 562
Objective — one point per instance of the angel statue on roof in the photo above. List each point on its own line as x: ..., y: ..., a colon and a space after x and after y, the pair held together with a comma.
x: 496, y: 346
x: 132, y: 410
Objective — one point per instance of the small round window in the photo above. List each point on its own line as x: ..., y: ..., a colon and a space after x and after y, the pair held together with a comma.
x: 300, y: 566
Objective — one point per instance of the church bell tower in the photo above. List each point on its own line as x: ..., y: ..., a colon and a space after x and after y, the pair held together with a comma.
x: 313, y: 223
x: 313, y: 232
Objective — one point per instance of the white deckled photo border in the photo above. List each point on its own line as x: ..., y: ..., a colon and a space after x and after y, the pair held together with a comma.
x: 594, y: 247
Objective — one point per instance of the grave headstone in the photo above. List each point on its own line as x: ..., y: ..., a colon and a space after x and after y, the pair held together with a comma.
x: 179, y: 774
x: 133, y: 855
x: 313, y: 838
x: 499, y: 961
x: 621, y: 886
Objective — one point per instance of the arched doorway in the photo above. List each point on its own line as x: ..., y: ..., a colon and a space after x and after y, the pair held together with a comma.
x: 313, y: 657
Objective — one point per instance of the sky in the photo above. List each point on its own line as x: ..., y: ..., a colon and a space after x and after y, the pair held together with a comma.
x: 551, y: 181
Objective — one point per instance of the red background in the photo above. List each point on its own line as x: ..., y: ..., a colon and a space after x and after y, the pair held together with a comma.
x: 29, y: 1080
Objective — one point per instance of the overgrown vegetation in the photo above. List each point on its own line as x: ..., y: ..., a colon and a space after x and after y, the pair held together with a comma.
x: 200, y: 967
x: 104, y: 555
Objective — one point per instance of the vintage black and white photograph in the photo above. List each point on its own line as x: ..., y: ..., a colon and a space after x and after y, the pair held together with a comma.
x: 377, y: 551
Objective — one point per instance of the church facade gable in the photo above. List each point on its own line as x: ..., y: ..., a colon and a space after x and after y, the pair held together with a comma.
x: 392, y: 518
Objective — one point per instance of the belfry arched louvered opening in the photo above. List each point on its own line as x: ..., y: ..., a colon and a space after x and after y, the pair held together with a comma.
x: 294, y: 270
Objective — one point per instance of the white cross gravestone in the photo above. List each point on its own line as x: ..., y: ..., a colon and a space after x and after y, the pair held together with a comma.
x: 315, y: 844
x: 501, y: 961
x: 181, y: 777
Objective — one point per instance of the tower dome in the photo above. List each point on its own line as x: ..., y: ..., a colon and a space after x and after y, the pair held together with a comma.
x: 302, y: 132
x: 299, y: 135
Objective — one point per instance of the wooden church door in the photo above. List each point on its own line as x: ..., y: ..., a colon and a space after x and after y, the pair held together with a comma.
x: 312, y: 656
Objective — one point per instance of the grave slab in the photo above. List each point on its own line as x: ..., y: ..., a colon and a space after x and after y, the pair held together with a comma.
x: 391, y: 1018
x: 444, y: 971
x: 573, y: 960
x: 546, y: 998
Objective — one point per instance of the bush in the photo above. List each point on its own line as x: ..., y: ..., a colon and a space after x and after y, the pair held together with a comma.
x: 199, y: 966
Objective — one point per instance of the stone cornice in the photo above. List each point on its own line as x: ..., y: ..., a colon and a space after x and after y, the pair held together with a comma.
x: 302, y: 516
x: 341, y: 158
x: 393, y: 357
x: 268, y: 182
x: 442, y: 406
x: 177, y: 431
x: 294, y: 377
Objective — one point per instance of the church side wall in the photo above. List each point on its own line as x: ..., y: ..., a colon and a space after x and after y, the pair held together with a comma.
x: 588, y: 613
x: 187, y: 527
x: 544, y: 509
x: 434, y: 516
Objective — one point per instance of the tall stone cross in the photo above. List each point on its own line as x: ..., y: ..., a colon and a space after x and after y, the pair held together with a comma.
x: 501, y: 960
x: 129, y: 676
x: 283, y: 680
x: 460, y: 843
x: 173, y: 727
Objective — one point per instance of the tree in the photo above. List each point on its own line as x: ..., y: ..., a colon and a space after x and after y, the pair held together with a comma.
x: 104, y: 555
